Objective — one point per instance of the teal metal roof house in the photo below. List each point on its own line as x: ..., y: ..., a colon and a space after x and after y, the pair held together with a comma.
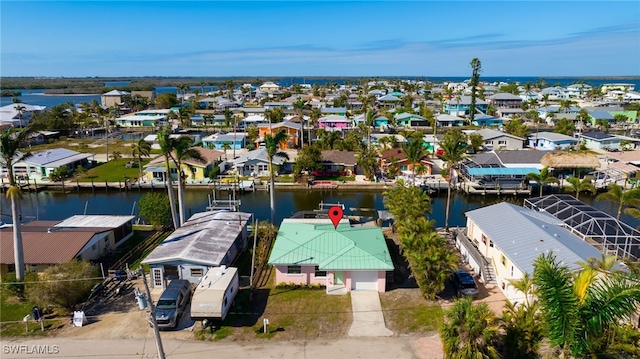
x: 311, y: 251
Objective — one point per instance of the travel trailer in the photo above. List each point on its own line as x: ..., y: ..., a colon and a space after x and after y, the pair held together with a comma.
x: 214, y: 294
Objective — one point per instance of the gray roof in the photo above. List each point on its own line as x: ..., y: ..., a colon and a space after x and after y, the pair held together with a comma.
x: 465, y: 100
x: 594, y: 135
x: 488, y: 134
x: 56, y: 157
x: 260, y: 155
x: 520, y: 156
x: 205, y: 238
x: 230, y: 137
x: 505, y: 96
x: 529, y: 234
x: 91, y: 221
x: 552, y: 136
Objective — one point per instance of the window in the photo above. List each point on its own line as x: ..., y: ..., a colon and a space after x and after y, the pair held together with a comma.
x: 94, y: 248
x: 503, y: 260
x: 502, y: 143
x: 320, y: 273
x: 512, y: 271
x: 196, y: 272
x: 294, y: 270
x: 491, y: 243
x: 11, y: 268
x: 484, y: 239
x: 34, y: 267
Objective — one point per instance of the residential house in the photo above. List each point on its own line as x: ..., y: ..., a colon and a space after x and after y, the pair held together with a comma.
x: 390, y: 139
x: 504, y: 100
x: 344, y: 258
x: 236, y: 140
x: 380, y: 121
x: 551, y: 141
x: 334, y: 122
x: 113, y: 98
x: 47, y: 243
x: 509, y: 159
x: 292, y: 129
x: 409, y: 120
x: 578, y: 90
x: 338, y: 162
x: 498, y: 253
x: 41, y: 164
x: 253, y: 120
x: 255, y: 163
x: 486, y: 120
x: 146, y: 118
x: 604, y: 141
x: 494, y: 139
x: 389, y: 101
x: 193, y: 170
x: 18, y: 114
x: 461, y: 106
x: 445, y: 120
x: 334, y: 111
x: 269, y: 87
x: 205, y: 240
x: 396, y: 156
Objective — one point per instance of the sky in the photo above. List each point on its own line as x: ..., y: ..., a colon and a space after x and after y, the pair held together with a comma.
x: 319, y: 38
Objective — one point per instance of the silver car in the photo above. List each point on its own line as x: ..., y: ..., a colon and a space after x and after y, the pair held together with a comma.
x: 173, y: 303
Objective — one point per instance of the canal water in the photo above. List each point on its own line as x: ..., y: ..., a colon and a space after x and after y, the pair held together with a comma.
x: 51, y: 205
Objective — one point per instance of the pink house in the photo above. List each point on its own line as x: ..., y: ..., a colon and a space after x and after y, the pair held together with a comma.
x: 311, y: 251
x: 334, y: 121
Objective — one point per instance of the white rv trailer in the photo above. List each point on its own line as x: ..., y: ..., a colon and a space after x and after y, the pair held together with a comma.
x: 213, y: 296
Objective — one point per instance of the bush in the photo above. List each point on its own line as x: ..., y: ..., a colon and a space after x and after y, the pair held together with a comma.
x: 155, y: 207
x: 63, y: 138
x: 64, y: 285
x: 15, y: 288
x: 294, y: 286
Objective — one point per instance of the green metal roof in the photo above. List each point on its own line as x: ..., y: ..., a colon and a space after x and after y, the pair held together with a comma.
x: 344, y: 248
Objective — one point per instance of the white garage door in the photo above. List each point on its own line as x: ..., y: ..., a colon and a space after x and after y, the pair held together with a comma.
x: 364, y: 280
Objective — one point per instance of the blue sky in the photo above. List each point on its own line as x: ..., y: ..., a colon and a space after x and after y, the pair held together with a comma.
x: 328, y: 38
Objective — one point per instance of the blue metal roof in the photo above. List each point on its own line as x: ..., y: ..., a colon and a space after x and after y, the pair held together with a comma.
x: 482, y: 171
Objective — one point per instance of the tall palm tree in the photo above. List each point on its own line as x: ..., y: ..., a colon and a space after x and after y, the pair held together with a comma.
x: 315, y: 115
x: 582, y: 309
x: 167, y: 146
x: 524, y: 330
x: 617, y: 194
x: 10, y: 142
x: 415, y: 152
x: 369, y: 120
x: 542, y: 178
x: 299, y: 106
x: 272, y: 146
x: 581, y: 186
x: 226, y: 146
x: 469, y: 331
x: 184, y: 150
x: 140, y: 149
x: 454, y: 147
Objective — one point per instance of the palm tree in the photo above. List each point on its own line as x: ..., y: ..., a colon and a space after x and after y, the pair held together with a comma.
x: 369, y: 120
x: 167, y: 146
x: 581, y: 186
x: 226, y: 146
x: 617, y: 194
x: 369, y: 161
x: 582, y: 309
x: 184, y: 150
x: 454, y: 147
x: 469, y: 331
x: 10, y: 142
x: 316, y: 113
x: 522, y: 323
x: 299, y: 106
x: 544, y: 177
x: 272, y: 146
x: 140, y: 149
x: 116, y: 155
x: 415, y: 152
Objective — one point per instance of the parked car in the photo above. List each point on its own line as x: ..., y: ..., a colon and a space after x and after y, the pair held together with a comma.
x: 464, y: 283
x: 173, y: 303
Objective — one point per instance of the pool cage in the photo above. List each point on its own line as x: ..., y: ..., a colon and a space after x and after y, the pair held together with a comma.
x: 594, y: 226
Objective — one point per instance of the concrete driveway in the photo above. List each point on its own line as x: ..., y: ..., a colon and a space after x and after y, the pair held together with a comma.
x: 368, y: 319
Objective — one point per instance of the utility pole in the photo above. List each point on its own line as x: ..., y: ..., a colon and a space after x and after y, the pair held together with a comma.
x: 152, y: 319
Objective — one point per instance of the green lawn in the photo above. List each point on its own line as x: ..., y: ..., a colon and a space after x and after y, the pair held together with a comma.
x: 112, y: 171
x: 12, y: 309
x: 405, y: 311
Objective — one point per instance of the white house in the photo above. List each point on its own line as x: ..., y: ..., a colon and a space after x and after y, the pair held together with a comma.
x: 206, y: 240
x: 504, y: 240
x: 550, y: 141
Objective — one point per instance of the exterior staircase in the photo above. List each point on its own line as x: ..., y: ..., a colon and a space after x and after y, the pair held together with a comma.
x: 489, y: 275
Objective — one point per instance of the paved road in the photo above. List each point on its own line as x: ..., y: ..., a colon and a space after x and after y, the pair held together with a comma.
x: 370, y: 348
